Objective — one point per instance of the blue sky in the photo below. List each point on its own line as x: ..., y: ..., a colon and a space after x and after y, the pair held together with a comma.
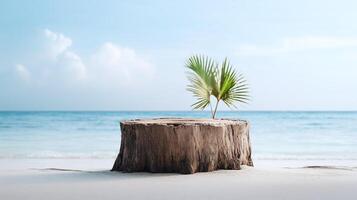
x: 130, y: 55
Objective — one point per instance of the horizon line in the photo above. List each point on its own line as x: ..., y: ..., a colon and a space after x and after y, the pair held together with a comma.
x: 177, y: 111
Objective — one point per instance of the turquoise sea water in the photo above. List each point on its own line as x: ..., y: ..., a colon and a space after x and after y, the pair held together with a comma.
x: 96, y: 135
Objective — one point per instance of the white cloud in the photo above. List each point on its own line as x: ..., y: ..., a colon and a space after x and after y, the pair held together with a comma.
x: 295, y: 44
x: 62, y: 63
x: 57, y: 43
x: 113, y: 62
x: 72, y: 65
x: 23, y: 72
x: 110, y: 65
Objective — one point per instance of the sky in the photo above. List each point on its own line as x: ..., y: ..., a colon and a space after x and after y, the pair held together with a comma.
x: 130, y: 55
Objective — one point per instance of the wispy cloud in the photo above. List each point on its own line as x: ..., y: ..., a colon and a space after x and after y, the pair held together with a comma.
x: 296, y: 44
x: 22, y: 72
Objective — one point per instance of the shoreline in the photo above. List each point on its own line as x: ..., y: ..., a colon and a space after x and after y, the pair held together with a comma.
x: 105, y: 163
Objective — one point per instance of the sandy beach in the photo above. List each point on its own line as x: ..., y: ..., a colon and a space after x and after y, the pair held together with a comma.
x: 91, y: 179
x: 178, y: 100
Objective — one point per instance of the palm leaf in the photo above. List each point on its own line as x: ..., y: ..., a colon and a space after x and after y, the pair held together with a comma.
x: 207, y: 80
x: 202, y: 79
x: 233, y: 86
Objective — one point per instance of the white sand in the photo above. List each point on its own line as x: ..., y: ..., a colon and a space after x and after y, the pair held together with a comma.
x: 29, y: 179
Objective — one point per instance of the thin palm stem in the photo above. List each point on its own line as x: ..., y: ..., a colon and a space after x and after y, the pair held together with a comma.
x: 210, y: 105
x: 215, y: 109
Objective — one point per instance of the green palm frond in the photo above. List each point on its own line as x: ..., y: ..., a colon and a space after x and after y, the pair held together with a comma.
x: 233, y: 86
x: 224, y: 83
x: 202, y: 79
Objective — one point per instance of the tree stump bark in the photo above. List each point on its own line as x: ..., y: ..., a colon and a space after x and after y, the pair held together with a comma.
x: 183, y: 145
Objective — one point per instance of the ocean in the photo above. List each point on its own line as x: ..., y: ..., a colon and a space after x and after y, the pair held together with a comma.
x: 96, y: 135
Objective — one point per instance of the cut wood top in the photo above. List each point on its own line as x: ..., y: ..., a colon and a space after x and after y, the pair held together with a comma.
x: 185, y: 121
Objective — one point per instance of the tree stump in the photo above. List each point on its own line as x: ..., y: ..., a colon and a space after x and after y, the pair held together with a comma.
x: 183, y: 145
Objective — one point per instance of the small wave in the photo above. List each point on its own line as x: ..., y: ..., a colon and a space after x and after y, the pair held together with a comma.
x: 57, y: 155
x: 112, y: 155
x: 303, y: 157
x: 317, y: 124
x: 6, y: 126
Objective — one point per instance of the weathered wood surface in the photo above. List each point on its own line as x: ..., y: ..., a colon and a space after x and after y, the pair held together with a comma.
x: 183, y: 145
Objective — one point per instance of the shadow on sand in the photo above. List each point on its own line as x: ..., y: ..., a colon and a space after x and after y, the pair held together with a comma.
x: 63, y: 174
